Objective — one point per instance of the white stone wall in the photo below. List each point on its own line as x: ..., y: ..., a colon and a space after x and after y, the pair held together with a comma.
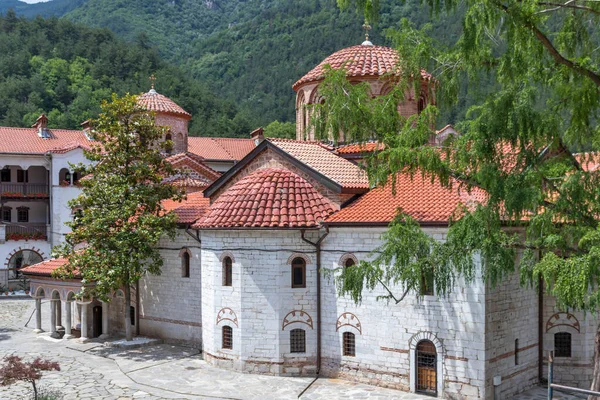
x: 258, y: 301
x: 389, y: 332
x: 578, y: 369
x: 170, y: 303
x: 512, y: 337
x: 10, y: 247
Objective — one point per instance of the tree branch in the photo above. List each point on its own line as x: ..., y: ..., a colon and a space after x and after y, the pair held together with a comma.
x: 558, y: 58
x: 568, y: 4
x: 392, y: 294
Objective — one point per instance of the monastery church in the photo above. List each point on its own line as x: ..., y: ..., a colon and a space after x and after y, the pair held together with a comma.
x: 263, y: 218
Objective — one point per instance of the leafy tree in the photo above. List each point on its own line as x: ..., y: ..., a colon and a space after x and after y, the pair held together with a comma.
x: 121, y: 219
x: 519, y: 145
x: 285, y: 130
x: 15, y: 369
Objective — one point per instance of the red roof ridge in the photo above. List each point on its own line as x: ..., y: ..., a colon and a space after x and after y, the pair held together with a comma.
x: 154, y: 101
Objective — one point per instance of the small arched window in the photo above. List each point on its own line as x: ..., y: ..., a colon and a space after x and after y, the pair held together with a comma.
x: 349, y: 344
x: 185, y: 264
x: 298, y: 273
x: 349, y: 263
x: 227, y: 338
x: 169, y: 148
x: 297, y: 341
x: 227, y: 272
x: 562, y: 344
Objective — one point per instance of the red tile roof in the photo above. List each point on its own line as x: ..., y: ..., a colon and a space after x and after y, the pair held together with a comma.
x: 27, y: 141
x: 324, y: 161
x: 45, y: 268
x: 228, y: 149
x: 355, y: 148
x: 268, y: 198
x: 193, y: 162
x: 189, y: 210
x: 425, y: 200
x: 153, y: 101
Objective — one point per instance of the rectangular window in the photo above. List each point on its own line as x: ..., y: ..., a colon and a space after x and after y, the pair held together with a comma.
x: 22, y: 176
x: 516, y: 351
x: 562, y: 344
x: 6, y: 217
x: 297, y: 341
x: 5, y: 175
x: 349, y: 344
x: 227, y: 338
x: 427, y: 283
x: 23, y: 215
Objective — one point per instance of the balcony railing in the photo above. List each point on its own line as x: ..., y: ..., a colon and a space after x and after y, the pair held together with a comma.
x: 23, y: 190
x: 26, y: 231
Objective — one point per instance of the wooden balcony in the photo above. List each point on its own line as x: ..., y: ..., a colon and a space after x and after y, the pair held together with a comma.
x: 26, y: 231
x: 21, y: 191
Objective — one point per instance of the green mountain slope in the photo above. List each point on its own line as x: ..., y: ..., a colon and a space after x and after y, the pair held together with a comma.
x: 54, y: 8
x: 65, y: 70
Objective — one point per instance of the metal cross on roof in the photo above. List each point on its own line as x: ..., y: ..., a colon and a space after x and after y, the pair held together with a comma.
x: 152, y: 80
x: 367, y: 28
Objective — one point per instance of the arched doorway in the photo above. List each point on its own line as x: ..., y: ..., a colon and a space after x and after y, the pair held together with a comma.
x: 97, y: 320
x: 426, y: 363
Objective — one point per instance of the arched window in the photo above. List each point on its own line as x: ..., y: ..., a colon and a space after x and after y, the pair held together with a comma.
x: 349, y: 344
x: 426, y: 361
x: 227, y: 338
x: 562, y: 344
x: 168, y: 137
x: 22, y: 259
x: 298, y: 273
x: 185, y: 264
x: 227, y: 272
x: 297, y: 341
x: 349, y: 263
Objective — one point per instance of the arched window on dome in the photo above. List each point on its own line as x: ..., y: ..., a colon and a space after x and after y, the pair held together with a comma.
x: 169, y: 146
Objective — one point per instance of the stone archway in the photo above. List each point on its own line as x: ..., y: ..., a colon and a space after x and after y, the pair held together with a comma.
x: 425, y: 337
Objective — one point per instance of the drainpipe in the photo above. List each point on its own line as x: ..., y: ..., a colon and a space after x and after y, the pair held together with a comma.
x: 49, y: 234
x: 540, y: 326
x: 317, y: 246
x: 137, y: 308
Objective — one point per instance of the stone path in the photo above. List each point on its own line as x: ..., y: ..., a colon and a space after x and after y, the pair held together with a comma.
x: 92, y: 371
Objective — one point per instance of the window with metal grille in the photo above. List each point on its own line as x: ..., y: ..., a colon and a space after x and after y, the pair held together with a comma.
x: 298, y: 273
x: 6, y: 214
x: 349, y: 344
x: 227, y: 272
x: 297, y: 341
x: 227, y: 336
x: 185, y: 264
x: 426, y: 360
x: 562, y: 344
x: 22, y: 214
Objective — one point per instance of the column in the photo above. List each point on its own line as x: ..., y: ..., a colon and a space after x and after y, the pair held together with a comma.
x: 105, y: 334
x: 68, y: 322
x: 38, y: 315
x: 53, y: 332
x: 84, y: 322
x: 59, y: 315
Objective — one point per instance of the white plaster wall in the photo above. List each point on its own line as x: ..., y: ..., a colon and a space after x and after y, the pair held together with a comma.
x: 22, y: 160
x: 170, y: 303
x: 260, y: 298
x: 10, y: 247
x: 389, y: 332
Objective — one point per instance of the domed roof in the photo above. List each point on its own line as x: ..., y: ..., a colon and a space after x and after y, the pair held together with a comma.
x: 364, y: 60
x: 154, y: 101
x: 268, y: 198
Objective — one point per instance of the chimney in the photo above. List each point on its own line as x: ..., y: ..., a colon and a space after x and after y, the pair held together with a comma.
x: 41, y: 124
x: 257, y: 136
x: 87, y: 129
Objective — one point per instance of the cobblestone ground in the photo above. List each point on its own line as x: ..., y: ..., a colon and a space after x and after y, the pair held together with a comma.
x: 92, y: 371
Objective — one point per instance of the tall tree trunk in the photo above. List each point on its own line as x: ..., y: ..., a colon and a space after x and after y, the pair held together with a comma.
x: 128, y: 333
x: 596, y: 380
x: 35, y: 394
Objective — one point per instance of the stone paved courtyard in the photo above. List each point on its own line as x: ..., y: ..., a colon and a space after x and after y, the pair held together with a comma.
x: 92, y: 371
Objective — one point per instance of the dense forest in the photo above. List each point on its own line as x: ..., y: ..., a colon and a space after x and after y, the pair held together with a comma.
x: 65, y: 70
x: 247, y: 52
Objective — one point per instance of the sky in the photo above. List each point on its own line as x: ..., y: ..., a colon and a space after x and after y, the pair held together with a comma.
x: 34, y: 1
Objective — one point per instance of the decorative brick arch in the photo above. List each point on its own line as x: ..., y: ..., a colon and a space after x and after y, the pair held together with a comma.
x: 348, y: 319
x: 36, y: 291
x: 346, y: 257
x: 30, y: 248
x: 439, y: 348
x: 563, y: 319
x: 299, y: 255
x: 226, y: 254
x: 297, y: 316
x: 227, y: 314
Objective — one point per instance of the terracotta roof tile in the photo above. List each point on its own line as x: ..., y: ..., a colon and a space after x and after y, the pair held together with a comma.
x: 189, y: 210
x: 268, y: 198
x: 357, y: 148
x: 154, y: 101
x: 27, y: 141
x: 230, y: 149
x: 194, y: 162
x: 424, y: 200
x: 324, y: 161
x: 45, y: 268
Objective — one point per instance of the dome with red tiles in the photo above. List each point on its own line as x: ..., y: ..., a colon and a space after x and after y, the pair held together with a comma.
x: 268, y: 198
x: 364, y: 60
x: 154, y: 101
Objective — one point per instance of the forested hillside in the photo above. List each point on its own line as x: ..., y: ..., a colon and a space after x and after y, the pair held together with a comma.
x: 247, y: 51
x: 63, y: 69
